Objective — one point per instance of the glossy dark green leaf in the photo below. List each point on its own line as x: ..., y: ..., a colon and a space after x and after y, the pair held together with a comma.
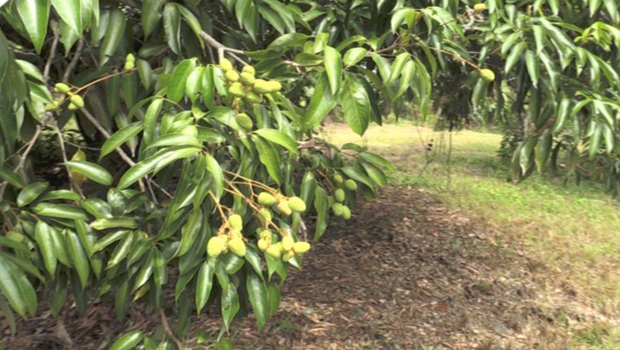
x: 97, y: 208
x: 70, y: 12
x: 63, y: 211
x: 107, y: 223
x: 321, y: 103
x: 354, y: 55
x: 109, y: 239
x: 278, y: 137
x: 259, y: 299
x: 92, y: 171
x: 151, y: 14
x: 30, y: 193
x: 355, y: 105
x: 321, y: 205
x: 270, y: 159
x: 10, y: 176
x: 116, y: 30
x: 172, y: 27
x: 204, y: 284
x: 274, y: 295
x: 78, y: 257
x: 333, y: 67
x: 43, y: 237
x: 128, y: 341
x: 178, y: 81
x: 35, y: 15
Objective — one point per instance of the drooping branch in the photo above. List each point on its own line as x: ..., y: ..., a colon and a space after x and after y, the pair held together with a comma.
x: 222, y: 49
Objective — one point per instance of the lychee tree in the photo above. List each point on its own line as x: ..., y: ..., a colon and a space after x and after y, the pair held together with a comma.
x: 189, y: 133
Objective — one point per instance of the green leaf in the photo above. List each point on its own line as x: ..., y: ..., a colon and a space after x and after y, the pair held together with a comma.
x: 213, y: 166
x: 355, y: 105
x: 204, y: 284
x: 375, y: 174
x: 278, y: 137
x: 397, y: 66
x: 258, y: 298
x: 8, y: 314
x: 61, y: 194
x: 15, y: 287
x: 128, y: 341
x: 139, y: 170
x: 321, y: 205
x: 107, y: 223
x: 121, y: 250
x: 43, y: 237
x: 533, y: 67
x: 357, y: 175
x: 63, y: 211
x: 24, y: 265
x: 229, y: 304
x: 270, y: 159
x: 178, y: 81
x: 116, y: 30
x: 321, y: 103
x: 595, y: 140
x: 34, y: 15
x: 175, y: 140
x: 70, y: 12
x: 377, y: 160
x: 252, y: 257
x: 30, y: 193
x: 92, y: 171
x: 172, y: 27
x: 78, y: 257
x: 514, y: 56
x: 10, y: 176
x: 109, y: 239
x: 354, y: 55
x: 291, y: 39
x: 333, y: 67
x: 399, y: 16
x: 274, y: 297
x: 97, y: 208
x: 151, y: 14
x: 30, y: 69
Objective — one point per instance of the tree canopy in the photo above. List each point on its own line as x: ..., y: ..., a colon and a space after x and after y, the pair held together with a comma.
x: 190, y: 130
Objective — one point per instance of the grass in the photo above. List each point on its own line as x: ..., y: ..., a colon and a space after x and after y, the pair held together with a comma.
x: 572, y: 230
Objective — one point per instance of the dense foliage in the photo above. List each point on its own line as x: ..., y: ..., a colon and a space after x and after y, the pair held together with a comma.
x: 189, y: 131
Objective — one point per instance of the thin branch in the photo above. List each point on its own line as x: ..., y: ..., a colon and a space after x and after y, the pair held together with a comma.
x: 61, y: 141
x: 48, y: 64
x: 33, y: 140
x: 222, y: 49
x: 169, y: 332
x: 74, y: 61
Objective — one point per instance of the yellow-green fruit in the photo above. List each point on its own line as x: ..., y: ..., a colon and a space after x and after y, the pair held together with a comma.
x: 225, y: 239
x: 237, y: 246
x: 273, y: 86
x: 253, y: 97
x: 247, y: 79
x: 338, y: 178
x: 264, y: 215
x: 77, y: 100
x: 338, y: 209
x: 297, y: 204
x: 288, y: 256
x: 130, y: 58
x: 480, y: 7
x: 346, y: 212
x: 232, y: 76
x: 236, y: 89
x: 351, y: 185
x: 287, y: 243
x: 226, y: 65
x: 62, y: 87
x: 263, y: 244
x: 249, y: 70
x: 266, y: 199
x: 234, y: 234
x: 73, y: 107
x: 339, y: 194
x: 129, y: 65
x: 265, y: 234
x: 284, y: 208
x: 275, y: 250
x: 244, y: 121
x: 235, y: 221
x: 261, y: 86
x: 487, y: 75
x: 215, y: 247
x: 301, y: 247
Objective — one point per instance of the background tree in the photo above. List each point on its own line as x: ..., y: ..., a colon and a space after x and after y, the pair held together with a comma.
x: 188, y: 130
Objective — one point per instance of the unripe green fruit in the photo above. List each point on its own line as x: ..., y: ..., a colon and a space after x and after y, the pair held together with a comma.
x: 237, y: 246
x: 253, y: 97
x: 215, y: 247
x: 284, y: 208
x: 273, y: 86
x: 264, y: 215
x: 248, y: 69
x: 77, y: 100
x: 236, y: 89
x: 338, y: 209
x: 338, y: 178
x: 265, y: 234
x: 351, y: 185
x: 330, y: 200
x: 287, y: 243
x: 301, y: 247
x: 235, y: 222
x: 275, y: 250
x: 266, y: 199
x: 130, y: 58
x: 346, y: 212
x: 226, y: 65
x: 288, y: 256
x: 339, y: 194
x: 263, y: 244
x: 487, y: 75
x: 261, y: 86
x: 62, y: 88
x: 232, y: 76
x: 297, y: 204
x: 247, y: 79
x: 129, y: 65
x: 480, y: 7
x: 73, y: 107
x: 244, y: 121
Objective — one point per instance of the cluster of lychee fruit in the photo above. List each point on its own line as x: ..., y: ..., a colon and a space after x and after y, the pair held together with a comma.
x: 75, y: 101
x: 245, y: 86
x: 336, y: 201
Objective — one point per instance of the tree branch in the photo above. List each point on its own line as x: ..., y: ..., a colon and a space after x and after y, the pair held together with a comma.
x: 222, y: 49
x: 48, y: 64
x: 74, y: 61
